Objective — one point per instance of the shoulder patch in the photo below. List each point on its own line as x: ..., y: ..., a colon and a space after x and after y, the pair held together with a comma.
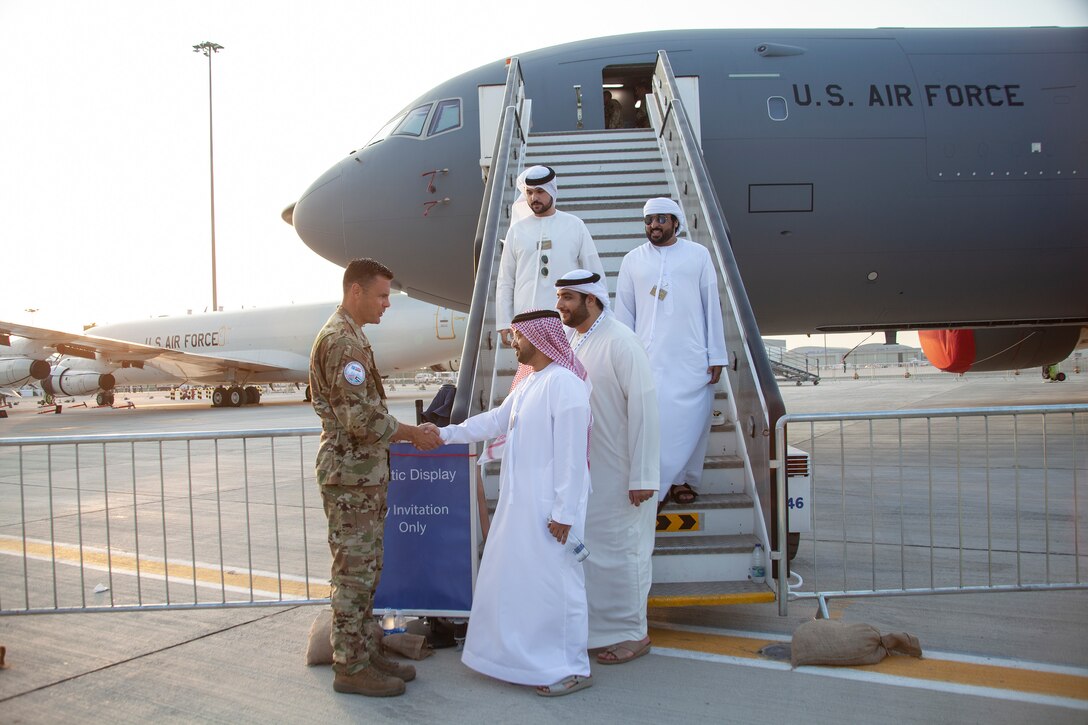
x: 354, y: 373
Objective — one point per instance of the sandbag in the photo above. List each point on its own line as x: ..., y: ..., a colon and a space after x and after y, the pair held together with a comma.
x: 828, y: 642
x: 406, y: 644
x: 319, y: 646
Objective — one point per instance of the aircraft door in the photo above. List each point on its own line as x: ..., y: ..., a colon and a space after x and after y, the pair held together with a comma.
x: 491, y: 116
x: 689, y: 94
x: 444, y: 324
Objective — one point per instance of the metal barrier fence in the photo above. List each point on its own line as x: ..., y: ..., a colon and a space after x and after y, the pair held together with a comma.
x: 938, y: 501
x: 169, y: 520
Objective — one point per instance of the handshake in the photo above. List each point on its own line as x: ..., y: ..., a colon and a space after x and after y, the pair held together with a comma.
x: 424, y: 437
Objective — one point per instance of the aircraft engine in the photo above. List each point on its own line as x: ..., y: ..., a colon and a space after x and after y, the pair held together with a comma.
x: 77, y: 382
x: 1007, y: 348
x: 16, y: 370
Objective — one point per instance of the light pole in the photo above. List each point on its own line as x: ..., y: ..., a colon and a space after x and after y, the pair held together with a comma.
x: 208, y: 48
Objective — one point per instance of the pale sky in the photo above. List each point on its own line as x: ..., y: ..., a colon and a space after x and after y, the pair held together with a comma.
x: 104, y: 167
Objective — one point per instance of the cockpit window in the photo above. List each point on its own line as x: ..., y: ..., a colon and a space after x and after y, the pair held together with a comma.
x: 386, y: 129
x: 447, y: 116
x: 412, y: 125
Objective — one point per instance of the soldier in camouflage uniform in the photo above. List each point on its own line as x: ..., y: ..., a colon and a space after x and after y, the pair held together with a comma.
x: 353, y: 474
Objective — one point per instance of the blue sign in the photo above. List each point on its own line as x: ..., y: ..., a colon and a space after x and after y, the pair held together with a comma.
x: 428, y: 548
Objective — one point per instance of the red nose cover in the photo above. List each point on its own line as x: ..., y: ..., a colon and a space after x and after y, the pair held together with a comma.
x: 950, y: 350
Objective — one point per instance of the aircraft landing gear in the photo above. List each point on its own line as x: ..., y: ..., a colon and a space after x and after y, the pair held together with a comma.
x: 104, y: 398
x: 236, y: 395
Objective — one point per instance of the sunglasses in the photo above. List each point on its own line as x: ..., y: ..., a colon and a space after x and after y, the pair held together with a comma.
x: 659, y: 218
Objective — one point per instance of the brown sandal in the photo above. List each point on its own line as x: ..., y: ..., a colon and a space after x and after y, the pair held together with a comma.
x: 683, y: 494
x: 632, y: 649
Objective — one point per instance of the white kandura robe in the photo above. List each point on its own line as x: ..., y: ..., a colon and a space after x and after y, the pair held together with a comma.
x: 528, y: 623
x: 624, y: 456
x: 564, y: 239
x: 683, y: 335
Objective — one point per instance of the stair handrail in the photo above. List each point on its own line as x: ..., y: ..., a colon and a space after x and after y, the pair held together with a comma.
x: 756, y: 395
x: 499, y: 182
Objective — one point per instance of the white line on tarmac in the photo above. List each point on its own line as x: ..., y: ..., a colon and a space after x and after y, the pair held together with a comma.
x: 881, y: 679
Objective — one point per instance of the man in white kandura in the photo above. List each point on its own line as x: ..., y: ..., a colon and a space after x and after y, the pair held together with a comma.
x: 667, y: 292
x: 624, y: 465
x: 529, y: 622
x: 537, y: 247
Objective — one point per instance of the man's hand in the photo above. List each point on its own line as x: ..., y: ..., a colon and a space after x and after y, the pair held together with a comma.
x: 640, y: 495
x: 426, y: 437
x: 559, y: 531
x: 507, y: 336
x: 715, y: 372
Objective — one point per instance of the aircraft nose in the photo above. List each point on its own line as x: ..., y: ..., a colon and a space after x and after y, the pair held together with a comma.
x: 318, y: 216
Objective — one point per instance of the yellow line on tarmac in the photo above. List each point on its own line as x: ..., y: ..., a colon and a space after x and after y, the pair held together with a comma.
x: 125, y: 563
x: 962, y: 673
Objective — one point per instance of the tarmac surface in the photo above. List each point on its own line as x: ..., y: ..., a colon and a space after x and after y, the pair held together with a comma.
x: 995, y: 658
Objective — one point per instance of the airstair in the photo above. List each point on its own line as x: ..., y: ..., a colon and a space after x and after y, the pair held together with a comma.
x: 785, y: 371
x: 703, y: 550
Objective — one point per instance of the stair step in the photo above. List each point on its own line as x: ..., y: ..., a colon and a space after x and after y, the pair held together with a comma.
x: 591, y: 181
x: 611, y: 165
x: 566, y: 149
x: 716, y: 462
x: 628, y: 209
x: 708, y: 594
x: 594, y: 136
x: 646, y: 173
x: 710, y: 501
x: 632, y: 194
x: 713, y: 557
x: 710, y: 515
x: 705, y: 544
x: 618, y: 155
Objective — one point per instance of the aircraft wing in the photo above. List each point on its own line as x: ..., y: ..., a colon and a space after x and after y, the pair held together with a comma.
x: 131, y: 354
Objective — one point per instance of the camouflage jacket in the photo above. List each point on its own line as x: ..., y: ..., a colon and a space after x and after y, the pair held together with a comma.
x: 349, y: 398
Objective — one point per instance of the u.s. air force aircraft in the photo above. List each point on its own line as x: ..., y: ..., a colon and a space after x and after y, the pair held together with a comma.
x: 234, y: 350
x: 889, y: 179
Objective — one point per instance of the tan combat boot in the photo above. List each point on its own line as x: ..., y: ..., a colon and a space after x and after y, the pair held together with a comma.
x: 370, y: 682
x: 392, y: 667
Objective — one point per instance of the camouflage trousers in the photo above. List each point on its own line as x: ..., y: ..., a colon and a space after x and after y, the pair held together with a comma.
x: 356, y: 530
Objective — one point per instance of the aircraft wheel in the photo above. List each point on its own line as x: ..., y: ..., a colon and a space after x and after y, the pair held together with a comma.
x: 219, y: 397
x: 109, y: 398
x: 252, y: 395
x: 815, y: 382
x: 235, y: 396
x: 100, y: 399
x: 1061, y: 377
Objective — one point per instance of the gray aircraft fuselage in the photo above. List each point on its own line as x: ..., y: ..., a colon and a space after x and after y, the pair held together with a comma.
x: 951, y: 163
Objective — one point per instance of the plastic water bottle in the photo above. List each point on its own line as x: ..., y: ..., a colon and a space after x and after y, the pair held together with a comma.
x: 392, y: 621
x: 756, y: 572
x: 575, y: 546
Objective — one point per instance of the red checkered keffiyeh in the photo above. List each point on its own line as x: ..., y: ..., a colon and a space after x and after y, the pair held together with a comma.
x: 544, y: 329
